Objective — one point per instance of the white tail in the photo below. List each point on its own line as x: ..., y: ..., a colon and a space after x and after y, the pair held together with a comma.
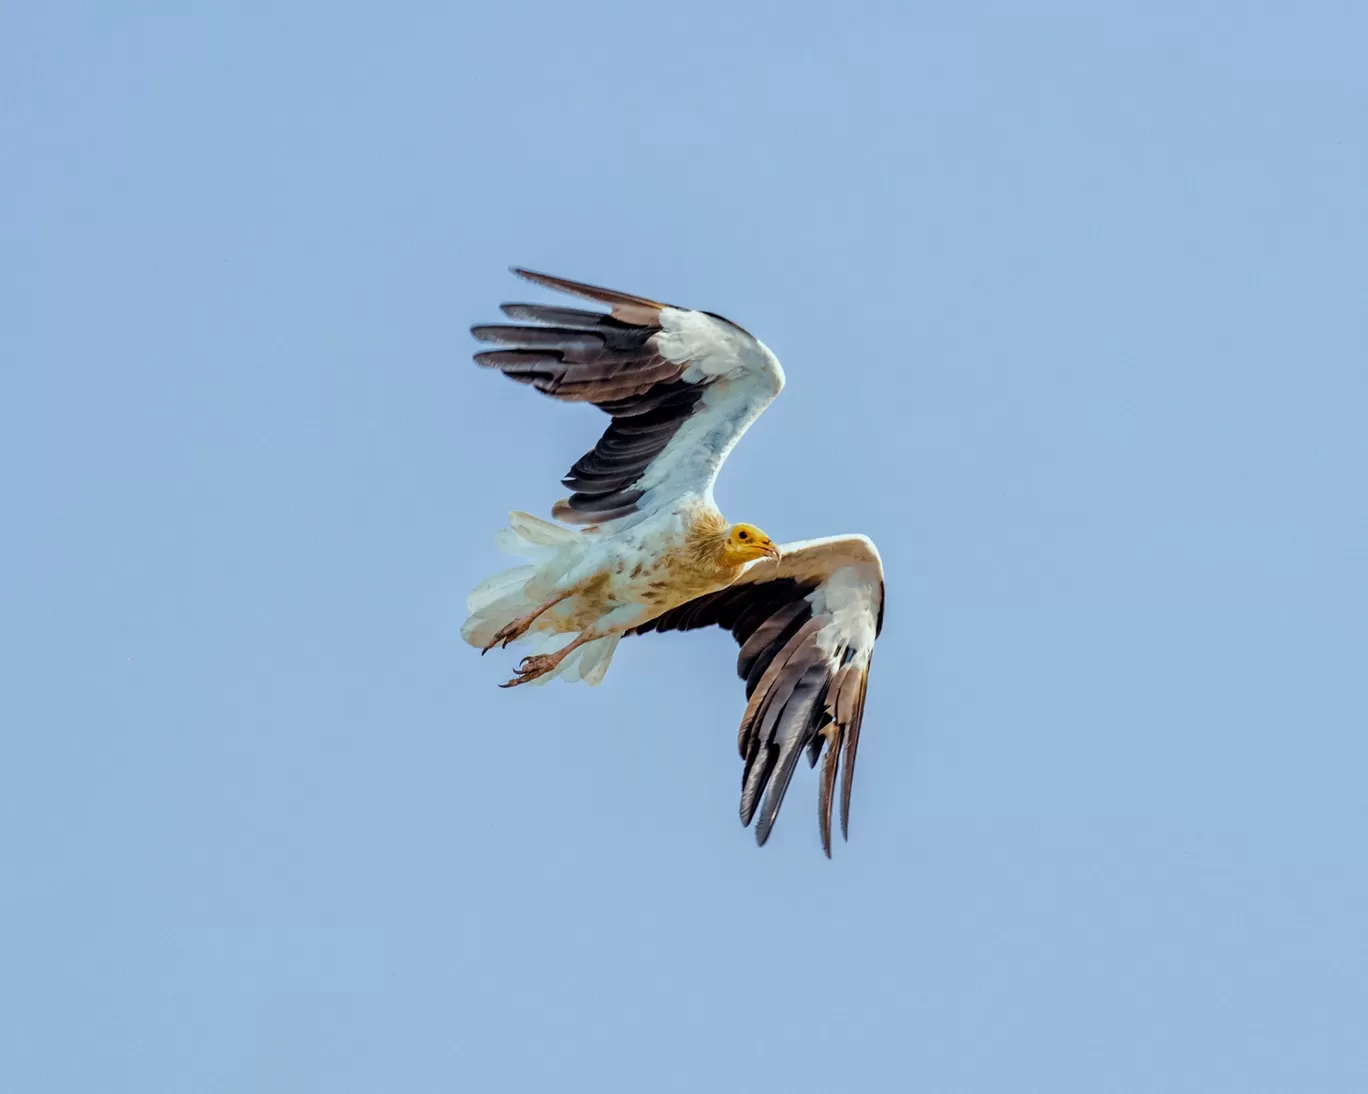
x: 550, y: 550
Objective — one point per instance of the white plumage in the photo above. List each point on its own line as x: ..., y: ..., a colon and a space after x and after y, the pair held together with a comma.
x: 654, y: 553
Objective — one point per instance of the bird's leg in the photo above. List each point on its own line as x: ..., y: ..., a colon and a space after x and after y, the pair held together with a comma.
x: 519, y: 626
x: 539, y: 664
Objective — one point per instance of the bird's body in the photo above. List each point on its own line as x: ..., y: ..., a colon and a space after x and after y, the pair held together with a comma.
x: 653, y: 551
x: 599, y: 586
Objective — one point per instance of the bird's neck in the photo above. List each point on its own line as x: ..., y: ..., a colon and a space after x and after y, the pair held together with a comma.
x: 706, y: 549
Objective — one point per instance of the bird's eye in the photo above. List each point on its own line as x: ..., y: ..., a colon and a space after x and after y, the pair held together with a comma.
x: 743, y: 535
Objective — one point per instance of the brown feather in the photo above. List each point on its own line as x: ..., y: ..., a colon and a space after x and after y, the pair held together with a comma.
x: 626, y: 308
x: 789, y: 668
x: 852, y: 743
x: 795, y: 726
x: 827, y: 783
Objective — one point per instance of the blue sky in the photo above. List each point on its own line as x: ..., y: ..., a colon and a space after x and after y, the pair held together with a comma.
x: 1071, y: 302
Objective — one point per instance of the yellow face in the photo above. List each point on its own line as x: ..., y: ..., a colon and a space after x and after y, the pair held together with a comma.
x: 746, y: 542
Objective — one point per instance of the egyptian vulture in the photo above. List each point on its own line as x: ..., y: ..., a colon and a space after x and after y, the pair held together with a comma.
x: 651, y: 551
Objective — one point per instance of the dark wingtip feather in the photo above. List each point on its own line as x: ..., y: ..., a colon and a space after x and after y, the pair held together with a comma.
x: 754, y: 778
x: 589, y: 292
x: 826, y: 786
x: 796, y: 723
x: 852, y: 744
x: 559, y: 316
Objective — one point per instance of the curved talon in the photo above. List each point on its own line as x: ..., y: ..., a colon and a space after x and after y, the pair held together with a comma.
x: 533, y: 666
x: 539, y: 664
x: 504, y: 637
x: 511, y: 632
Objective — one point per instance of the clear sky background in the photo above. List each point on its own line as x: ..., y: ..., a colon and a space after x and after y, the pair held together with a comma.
x: 1071, y: 299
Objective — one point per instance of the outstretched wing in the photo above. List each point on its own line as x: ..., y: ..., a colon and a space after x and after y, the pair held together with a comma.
x: 681, y: 387
x: 806, y: 626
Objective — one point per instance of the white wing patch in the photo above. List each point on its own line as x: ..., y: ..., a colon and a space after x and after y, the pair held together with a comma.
x: 742, y: 378
x: 847, y: 598
x: 712, y: 347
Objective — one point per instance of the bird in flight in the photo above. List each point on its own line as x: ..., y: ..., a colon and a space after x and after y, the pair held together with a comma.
x: 650, y: 551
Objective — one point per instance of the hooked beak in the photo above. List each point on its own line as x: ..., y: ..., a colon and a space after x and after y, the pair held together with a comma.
x: 771, y: 550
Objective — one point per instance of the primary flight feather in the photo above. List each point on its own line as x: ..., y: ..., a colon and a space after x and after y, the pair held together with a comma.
x: 654, y: 553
